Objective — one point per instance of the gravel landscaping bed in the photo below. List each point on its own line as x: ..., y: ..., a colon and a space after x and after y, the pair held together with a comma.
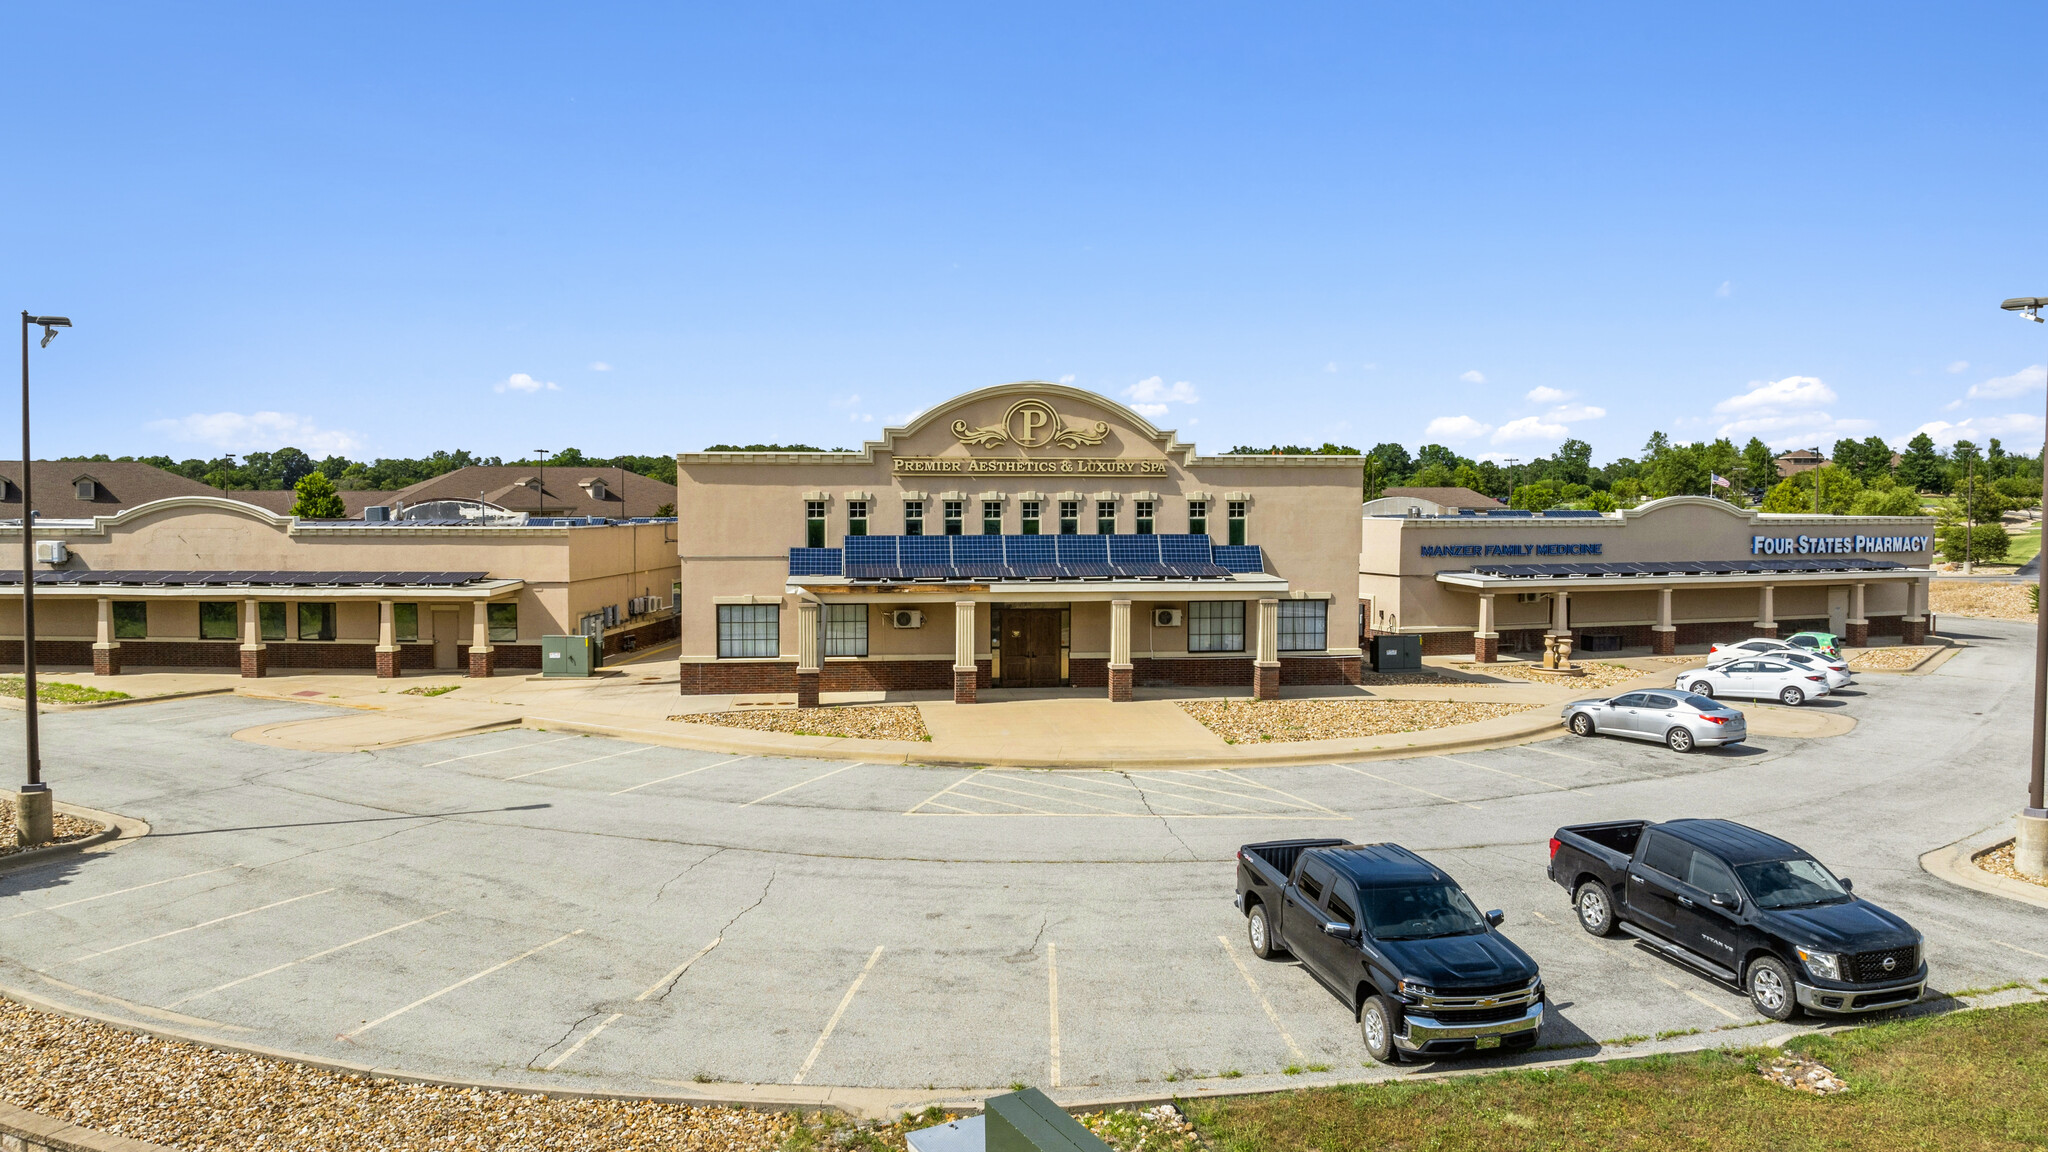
x: 1369, y: 678
x: 865, y: 722
x: 1263, y: 721
x: 1970, y: 598
x: 1597, y: 675
x: 67, y: 829
x: 1998, y: 862
x: 1888, y: 659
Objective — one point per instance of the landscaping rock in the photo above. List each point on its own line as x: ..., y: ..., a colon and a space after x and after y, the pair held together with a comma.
x: 866, y: 722
x: 1272, y: 721
x: 1803, y: 1075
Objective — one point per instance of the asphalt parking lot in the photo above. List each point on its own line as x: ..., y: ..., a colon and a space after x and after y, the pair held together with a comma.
x: 544, y: 908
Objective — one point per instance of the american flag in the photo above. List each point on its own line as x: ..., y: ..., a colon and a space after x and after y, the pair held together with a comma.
x: 1720, y: 481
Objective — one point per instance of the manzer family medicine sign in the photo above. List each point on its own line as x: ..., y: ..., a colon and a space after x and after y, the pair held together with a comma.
x: 1511, y: 549
x: 1831, y: 545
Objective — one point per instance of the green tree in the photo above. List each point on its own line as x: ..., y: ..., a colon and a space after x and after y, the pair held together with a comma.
x: 1721, y: 459
x: 1759, y: 464
x: 1601, y: 502
x: 1572, y: 462
x: 1536, y: 497
x: 1434, y: 474
x: 1920, y: 465
x: 317, y: 499
x: 1468, y: 476
x: 1678, y: 470
x: 1885, y: 498
x: 1627, y: 491
x: 1795, y: 493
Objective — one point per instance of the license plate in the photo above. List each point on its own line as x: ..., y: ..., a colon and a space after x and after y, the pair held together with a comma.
x: 1488, y: 1042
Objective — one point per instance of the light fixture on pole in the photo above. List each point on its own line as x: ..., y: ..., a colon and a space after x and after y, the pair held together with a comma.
x: 34, y: 816
x: 2030, y: 845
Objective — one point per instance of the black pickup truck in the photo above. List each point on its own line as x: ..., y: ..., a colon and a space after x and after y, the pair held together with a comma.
x: 1742, y: 906
x: 1398, y: 942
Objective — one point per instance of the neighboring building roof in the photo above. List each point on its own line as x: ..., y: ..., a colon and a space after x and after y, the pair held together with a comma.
x: 568, y: 491
x: 1800, y: 460
x: 117, y: 484
x: 1448, y: 497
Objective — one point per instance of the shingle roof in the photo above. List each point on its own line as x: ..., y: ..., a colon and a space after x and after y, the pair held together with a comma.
x: 1448, y: 497
x: 118, y: 484
x: 569, y: 491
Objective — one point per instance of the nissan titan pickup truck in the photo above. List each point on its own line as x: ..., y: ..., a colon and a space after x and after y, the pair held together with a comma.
x: 1742, y: 906
x: 1396, y: 940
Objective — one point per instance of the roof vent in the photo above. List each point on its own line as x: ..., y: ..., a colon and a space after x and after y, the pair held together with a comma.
x: 378, y: 513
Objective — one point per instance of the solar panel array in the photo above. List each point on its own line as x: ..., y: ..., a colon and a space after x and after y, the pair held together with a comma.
x: 163, y: 579
x: 980, y: 559
x: 1651, y: 569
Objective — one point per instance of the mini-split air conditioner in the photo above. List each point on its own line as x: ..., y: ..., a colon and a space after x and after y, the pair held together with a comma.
x: 51, y: 552
x: 906, y: 618
x: 1528, y: 597
x: 1166, y: 617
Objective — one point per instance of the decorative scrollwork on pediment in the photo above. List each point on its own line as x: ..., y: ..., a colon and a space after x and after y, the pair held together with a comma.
x: 987, y: 437
x: 1032, y: 423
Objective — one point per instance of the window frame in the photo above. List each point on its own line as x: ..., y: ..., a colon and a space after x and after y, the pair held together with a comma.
x: 496, y: 630
x: 952, y: 516
x: 273, y: 620
x: 814, y: 523
x: 1292, y: 617
x: 1234, y: 512
x: 1658, y: 841
x: 1198, y: 517
x: 749, y: 631
x: 1105, y: 517
x: 1208, y: 625
x: 204, y: 623
x: 400, y: 632
x: 856, y: 517
x: 1028, y: 521
x: 913, y: 517
x: 1070, y: 517
x: 322, y: 613
x: 991, y: 517
x: 132, y: 629
x: 843, y: 629
x: 1144, y: 515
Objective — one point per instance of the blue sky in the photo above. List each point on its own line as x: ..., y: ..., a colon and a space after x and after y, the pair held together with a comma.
x: 386, y: 229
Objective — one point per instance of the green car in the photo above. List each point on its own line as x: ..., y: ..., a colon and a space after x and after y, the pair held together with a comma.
x: 1826, y: 642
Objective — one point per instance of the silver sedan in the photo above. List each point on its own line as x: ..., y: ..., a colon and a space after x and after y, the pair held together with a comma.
x: 1681, y: 720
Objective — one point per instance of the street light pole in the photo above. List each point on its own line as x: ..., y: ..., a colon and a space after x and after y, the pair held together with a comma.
x: 2030, y: 844
x: 34, y: 817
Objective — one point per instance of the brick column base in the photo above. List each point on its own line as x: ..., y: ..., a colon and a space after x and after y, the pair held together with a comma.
x: 1913, y: 632
x: 806, y: 689
x: 1663, y: 643
x: 965, y: 682
x: 1770, y: 630
x: 483, y: 662
x: 255, y: 662
x: 1485, y: 649
x: 106, y: 661
x: 1859, y: 634
x: 1120, y: 683
x: 1265, y: 682
x: 387, y: 664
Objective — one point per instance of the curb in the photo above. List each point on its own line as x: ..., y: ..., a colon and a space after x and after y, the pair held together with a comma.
x: 113, y: 828
x: 20, y: 705
x: 1957, y: 864
x: 35, y: 1132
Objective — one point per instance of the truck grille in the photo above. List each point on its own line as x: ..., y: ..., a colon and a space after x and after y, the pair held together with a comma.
x: 1474, y: 1015
x: 1868, y: 967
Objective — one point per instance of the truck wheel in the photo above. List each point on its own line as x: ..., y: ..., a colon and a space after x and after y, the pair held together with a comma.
x: 1260, y: 930
x: 1792, y: 697
x: 1376, y: 1028
x: 1678, y: 740
x: 1770, y: 988
x: 1596, y: 908
x: 1582, y: 724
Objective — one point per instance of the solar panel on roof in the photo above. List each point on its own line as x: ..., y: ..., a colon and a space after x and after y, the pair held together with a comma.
x: 1083, y: 549
x: 1021, y: 550
x: 814, y: 561
x: 1240, y: 557
x: 1125, y: 551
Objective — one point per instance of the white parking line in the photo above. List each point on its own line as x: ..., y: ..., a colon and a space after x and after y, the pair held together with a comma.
x: 304, y: 959
x: 680, y: 775
x: 653, y: 988
x: 844, y: 1003
x: 912, y: 810
x: 1673, y: 985
x: 983, y: 783
x: 1398, y: 784
x: 120, y: 891
x: 495, y: 751
x: 1052, y: 993
x: 1504, y: 772
x: 2017, y: 948
x: 576, y: 763
x: 1263, y: 1002
x: 799, y: 784
x: 393, y: 1015
x: 551, y: 1065
x: 1563, y: 755
x: 1236, y: 775
x: 193, y: 928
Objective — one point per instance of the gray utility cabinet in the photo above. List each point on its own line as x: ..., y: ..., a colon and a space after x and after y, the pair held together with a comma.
x: 1016, y: 1122
x: 1397, y: 653
x: 568, y: 655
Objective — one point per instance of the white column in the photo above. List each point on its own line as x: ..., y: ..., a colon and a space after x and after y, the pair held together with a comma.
x: 809, y: 644
x: 1916, y: 600
x: 1486, y: 631
x: 1664, y: 623
x: 1856, y: 604
x: 1560, y: 613
x: 252, y: 625
x: 480, y: 629
x: 1120, y: 634
x: 1269, y: 633
x: 104, y: 637
x: 387, y: 627
x: 1767, y: 607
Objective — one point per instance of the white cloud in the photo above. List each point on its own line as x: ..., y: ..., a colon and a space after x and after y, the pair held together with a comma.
x: 1788, y: 413
x: 1577, y: 412
x: 1475, y: 376
x: 1529, y: 428
x: 1548, y: 396
x: 1959, y: 366
x: 1726, y: 289
x: 1791, y: 392
x: 1496, y: 457
x: 1067, y: 379
x: 1330, y: 367
x: 1155, y: 390
x: 239, y: 433
x: 599, y: 366
x: 1951, y: 405
x: 2024, y: 427
x: 2018, y: 384
x: 521, y: 382
x: 1456, y: 428
x: 1149, y: 411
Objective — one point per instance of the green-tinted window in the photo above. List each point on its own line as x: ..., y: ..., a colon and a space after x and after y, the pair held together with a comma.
x: 1236, y: 510
x: 405, y: 621
x: 856, y: 517
x: 1198, y: 517
x: 1070, y: 517
x: 217, y: 620
x: 316, y: 620
x: 991, y: 518
x: 955, y: 511
x: 1029, y: 525
x: 1144, y: 517
x: 814, y: 523
x: 270, y: 621
x: 1105, y: 517
x: 504, y: 623
x: 131, y: 620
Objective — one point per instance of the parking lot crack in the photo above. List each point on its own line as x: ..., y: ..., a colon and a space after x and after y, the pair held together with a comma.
x: 566, y: 1033
x: 685, y: 872
x: 1028, y: 952
x: 1163, y: 821
x: 717, y: 940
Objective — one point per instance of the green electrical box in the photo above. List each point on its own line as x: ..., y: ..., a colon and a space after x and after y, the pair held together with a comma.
x: 568, y: 655
x: 1029, y: 1122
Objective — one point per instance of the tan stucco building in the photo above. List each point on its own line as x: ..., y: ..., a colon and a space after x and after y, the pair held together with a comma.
x: 1029, y: 534
x: 1684, y: 570
x: 211, y: 582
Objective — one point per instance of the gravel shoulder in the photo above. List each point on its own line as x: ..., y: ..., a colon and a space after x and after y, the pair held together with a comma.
x: 858, y: 722
x: 1280, y: 721
x: 1976, y: 598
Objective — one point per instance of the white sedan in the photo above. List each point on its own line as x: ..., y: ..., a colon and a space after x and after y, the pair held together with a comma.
x: 1760, y: 678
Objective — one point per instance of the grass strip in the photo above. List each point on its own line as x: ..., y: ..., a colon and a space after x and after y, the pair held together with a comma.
x: 1966, y: 1080
x: 57, y: 691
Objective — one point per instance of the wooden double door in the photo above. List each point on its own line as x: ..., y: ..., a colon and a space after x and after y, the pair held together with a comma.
x: 1032, y: 648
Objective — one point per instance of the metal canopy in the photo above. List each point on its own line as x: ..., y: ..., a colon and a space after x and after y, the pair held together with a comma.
x: 986, y: 559
x: 1665, y: 568
x: 147, y: 578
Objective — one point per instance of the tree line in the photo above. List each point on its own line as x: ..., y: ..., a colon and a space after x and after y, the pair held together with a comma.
x: 285, y: 467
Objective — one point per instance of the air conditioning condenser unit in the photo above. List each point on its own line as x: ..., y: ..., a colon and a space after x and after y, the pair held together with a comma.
x: 906, y: 618
x: 1166, y: 617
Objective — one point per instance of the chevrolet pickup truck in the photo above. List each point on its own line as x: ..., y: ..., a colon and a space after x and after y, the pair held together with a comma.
x: 1744, y: 907
x: 1397, y: 941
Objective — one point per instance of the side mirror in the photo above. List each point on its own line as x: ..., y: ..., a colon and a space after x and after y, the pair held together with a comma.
x: 1337, y: 928
x: 1496, y: 917
x: 1723, y: 900
x: 1848, y: 885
